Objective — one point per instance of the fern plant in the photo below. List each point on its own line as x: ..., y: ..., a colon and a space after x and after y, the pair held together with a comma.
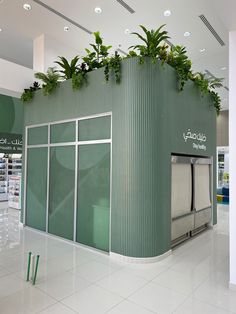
x: 152, y: 43
x: 50, y: 80
x: 68, y: 68
x: 28, y: 93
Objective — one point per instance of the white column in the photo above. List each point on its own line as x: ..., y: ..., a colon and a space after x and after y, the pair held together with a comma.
x: 232, y: 154
x: 47, y: 50
x: 38, y: 54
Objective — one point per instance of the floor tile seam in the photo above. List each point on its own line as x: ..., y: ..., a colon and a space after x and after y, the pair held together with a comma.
x: 12, y: 294
x: 192, y: 289
x: 70, y: 294
x: 126, y: 299
x: 212, y: 304
x: 136, y: 290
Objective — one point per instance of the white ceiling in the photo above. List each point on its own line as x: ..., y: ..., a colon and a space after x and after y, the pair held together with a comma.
x: 20, y: 27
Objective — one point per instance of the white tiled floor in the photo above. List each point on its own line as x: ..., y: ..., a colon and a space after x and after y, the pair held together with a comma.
x: 193, y: 280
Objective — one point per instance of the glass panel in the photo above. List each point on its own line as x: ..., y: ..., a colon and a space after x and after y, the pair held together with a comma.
x: 95, y: 129
x: 36, y: 197
x: 94, y: 196
x: 63, y: 132
x: 38, y: 135
x: 61, y: 196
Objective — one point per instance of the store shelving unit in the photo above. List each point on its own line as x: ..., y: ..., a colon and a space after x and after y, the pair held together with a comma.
x: 14, y: 192
x: 3, y: 179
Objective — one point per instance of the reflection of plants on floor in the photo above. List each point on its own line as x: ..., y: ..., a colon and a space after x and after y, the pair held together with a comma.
x: 153, y: 45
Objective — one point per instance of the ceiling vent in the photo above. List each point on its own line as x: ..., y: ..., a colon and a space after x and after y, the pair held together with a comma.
x: 63, y: 16
x: 212, y: 30
x: 126, y: 6
x: 121, y: 51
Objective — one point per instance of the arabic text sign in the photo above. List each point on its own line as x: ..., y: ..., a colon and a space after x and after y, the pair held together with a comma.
x: 198, y: 138
x: 10, y: 143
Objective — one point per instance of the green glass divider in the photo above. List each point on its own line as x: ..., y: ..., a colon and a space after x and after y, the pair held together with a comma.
x: 38, y: 135
x: 95, y: 129
x: 93, y: 212
x: 62, y: 132
x: 61, y: 191
x: 36, y: 197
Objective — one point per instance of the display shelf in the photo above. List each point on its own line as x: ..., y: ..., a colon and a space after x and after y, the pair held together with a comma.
x: 3, y: 179
x: 14, y: 192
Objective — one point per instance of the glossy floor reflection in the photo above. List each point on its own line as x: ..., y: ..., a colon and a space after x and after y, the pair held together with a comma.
x: 194, y: 279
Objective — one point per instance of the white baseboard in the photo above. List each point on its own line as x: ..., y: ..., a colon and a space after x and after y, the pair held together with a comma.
x: 232, y: 286
x: 140, y: 260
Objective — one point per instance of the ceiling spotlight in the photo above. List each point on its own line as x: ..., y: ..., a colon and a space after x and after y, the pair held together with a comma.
x: 223, y: 68
x: 98, y: 10
x: 127, y: 31
x: 167, y: 13
x: 0, y: 29
x: 202, y: 50
x: 66, y: 28
x: 27, y: 7
x: 187, y: 34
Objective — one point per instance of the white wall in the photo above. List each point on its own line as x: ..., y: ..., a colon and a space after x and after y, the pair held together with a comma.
x: 14, y: 78
x: 232, y: 152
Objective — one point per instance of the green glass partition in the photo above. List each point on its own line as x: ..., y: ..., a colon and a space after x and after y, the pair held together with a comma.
x: 62, y: 132
x: 95, y: 129
x: 61, y: 191
x: 38, y: 135
x: 93, y: 212
x: 36, y: 197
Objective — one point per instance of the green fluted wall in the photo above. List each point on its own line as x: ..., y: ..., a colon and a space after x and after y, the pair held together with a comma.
x: 149, y: 115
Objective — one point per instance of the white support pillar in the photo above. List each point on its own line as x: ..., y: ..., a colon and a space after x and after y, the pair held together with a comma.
x: 47, y: 50
x: 232, y: 155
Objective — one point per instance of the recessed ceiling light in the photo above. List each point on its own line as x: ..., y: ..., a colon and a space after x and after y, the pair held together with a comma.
x: 66, y: 28
x: 127, y: 31
x: 98, y: 10
x: 223, y: 68
x: 0, y: 29
x: 187, y: 34
x: 167, y: 13
x: 202, y: 50
x: 27, y: 7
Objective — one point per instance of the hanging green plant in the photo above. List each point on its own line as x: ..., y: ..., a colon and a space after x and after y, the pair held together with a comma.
x: 68, y: 68
x: 50, y: 80
x: 152, y: 43
x: 28, y: 93
x: 79, y: 78
x: 113, y: 65
x: 178, y: 59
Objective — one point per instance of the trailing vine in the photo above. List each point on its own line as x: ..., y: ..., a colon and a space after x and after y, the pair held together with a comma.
x: 153, y: 46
